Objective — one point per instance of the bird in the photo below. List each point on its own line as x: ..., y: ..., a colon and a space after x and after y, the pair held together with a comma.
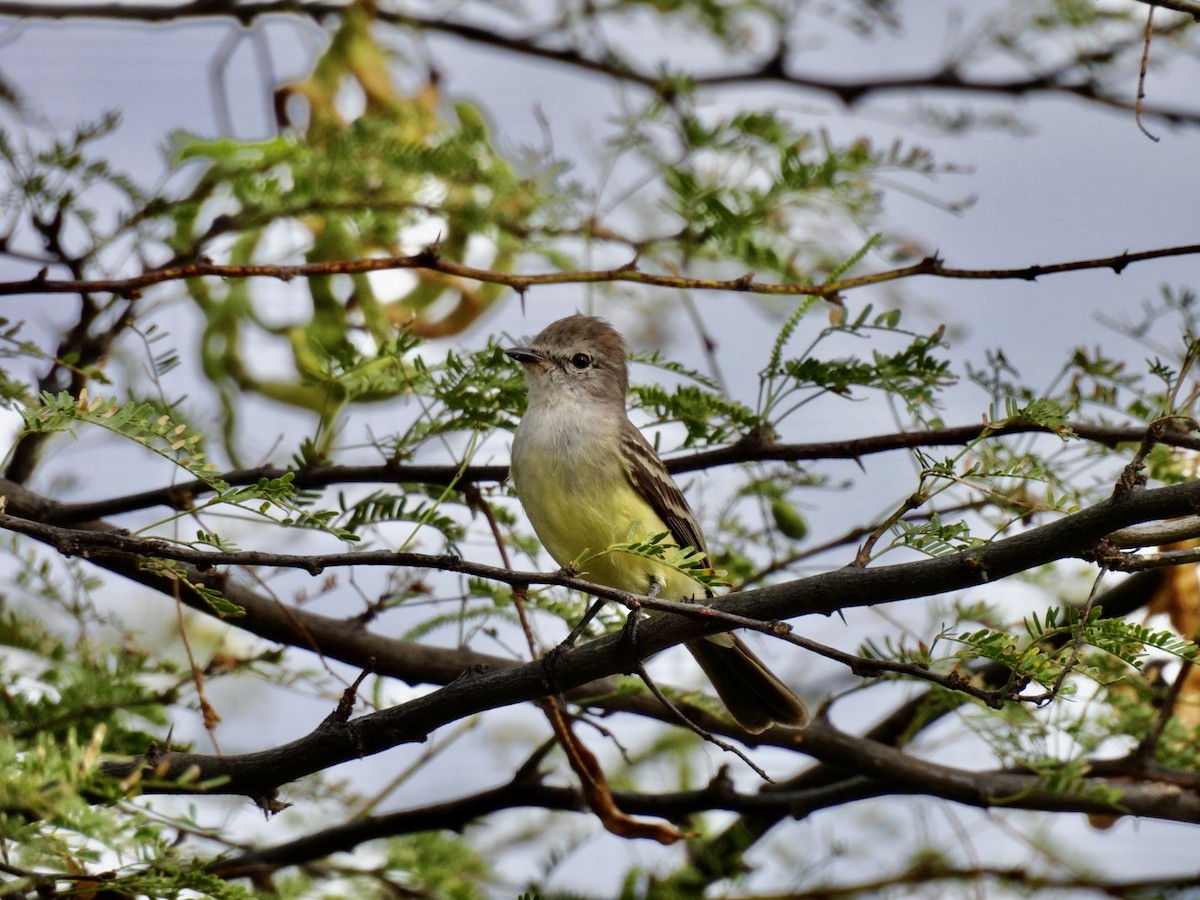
x: 587, y: 479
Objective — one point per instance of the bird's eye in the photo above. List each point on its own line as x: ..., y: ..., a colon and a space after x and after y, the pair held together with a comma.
x: 581, y: 360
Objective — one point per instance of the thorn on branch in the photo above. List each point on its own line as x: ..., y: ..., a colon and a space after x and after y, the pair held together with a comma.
x: 865, y: 668
x: 1104, y: 554
x: 850, y: 94
x: 1133, y: 476
x: 530, y: 774
x: 345, y: 705
x: 774, y: 67
x: 154, y: 753
x: 427, y: 257
x: 629, y: 635
x: 470, y: 672
x: 270, y: 804
x: 629, y: 638
x: 721, y: 784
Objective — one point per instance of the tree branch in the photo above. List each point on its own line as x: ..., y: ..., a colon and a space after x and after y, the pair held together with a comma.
x: 101, y: 545
x: 721, y: 856
x: 1071, y: 536
x: 345, y: 640
x: 527, y: 790
x: 888, y: 770
x: 770, y: 70
x: 132, y: 286
x: 749, y: 449
x: 1188, y: 7
x: 1074, y: 535
x: 891, y: 771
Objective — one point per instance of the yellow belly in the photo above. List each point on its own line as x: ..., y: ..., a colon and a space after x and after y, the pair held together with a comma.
x: 578, y: 517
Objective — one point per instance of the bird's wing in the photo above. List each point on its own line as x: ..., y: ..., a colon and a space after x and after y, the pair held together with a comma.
x: 652, y: 480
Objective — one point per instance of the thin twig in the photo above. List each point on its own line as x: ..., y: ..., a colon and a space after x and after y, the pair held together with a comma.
x: 1077, y: 642
x: 1142, y: 562
x: 630, y: 635
x: 1138, y: 103
x: 208, y: 712
x: 1144, y: 753
x: 583, y: 762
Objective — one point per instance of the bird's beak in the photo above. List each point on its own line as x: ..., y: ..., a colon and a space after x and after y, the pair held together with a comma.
x: 527, y: 356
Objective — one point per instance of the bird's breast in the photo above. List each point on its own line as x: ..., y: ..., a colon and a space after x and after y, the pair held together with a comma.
x: 571, y: 479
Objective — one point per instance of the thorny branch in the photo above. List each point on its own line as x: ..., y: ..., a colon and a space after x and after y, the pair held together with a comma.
x: 528, y: 790
x: 132, y: 286
x: 749, y: 449
x: 721, y: 856
x: 334, y: 742
x: 99, y: 545
x: 862, y: 767
x: 1073, y: 535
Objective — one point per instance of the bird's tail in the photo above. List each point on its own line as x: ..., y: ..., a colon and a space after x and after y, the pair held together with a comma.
x: 752, y: 693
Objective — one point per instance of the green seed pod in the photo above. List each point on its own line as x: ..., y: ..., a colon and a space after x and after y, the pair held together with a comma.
x: 788, y: 520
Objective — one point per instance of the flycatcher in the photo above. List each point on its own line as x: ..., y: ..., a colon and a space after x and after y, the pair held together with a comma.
x: 586, y: 476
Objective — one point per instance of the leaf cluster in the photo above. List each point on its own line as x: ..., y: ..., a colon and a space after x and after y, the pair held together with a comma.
x: 1049, y: 651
